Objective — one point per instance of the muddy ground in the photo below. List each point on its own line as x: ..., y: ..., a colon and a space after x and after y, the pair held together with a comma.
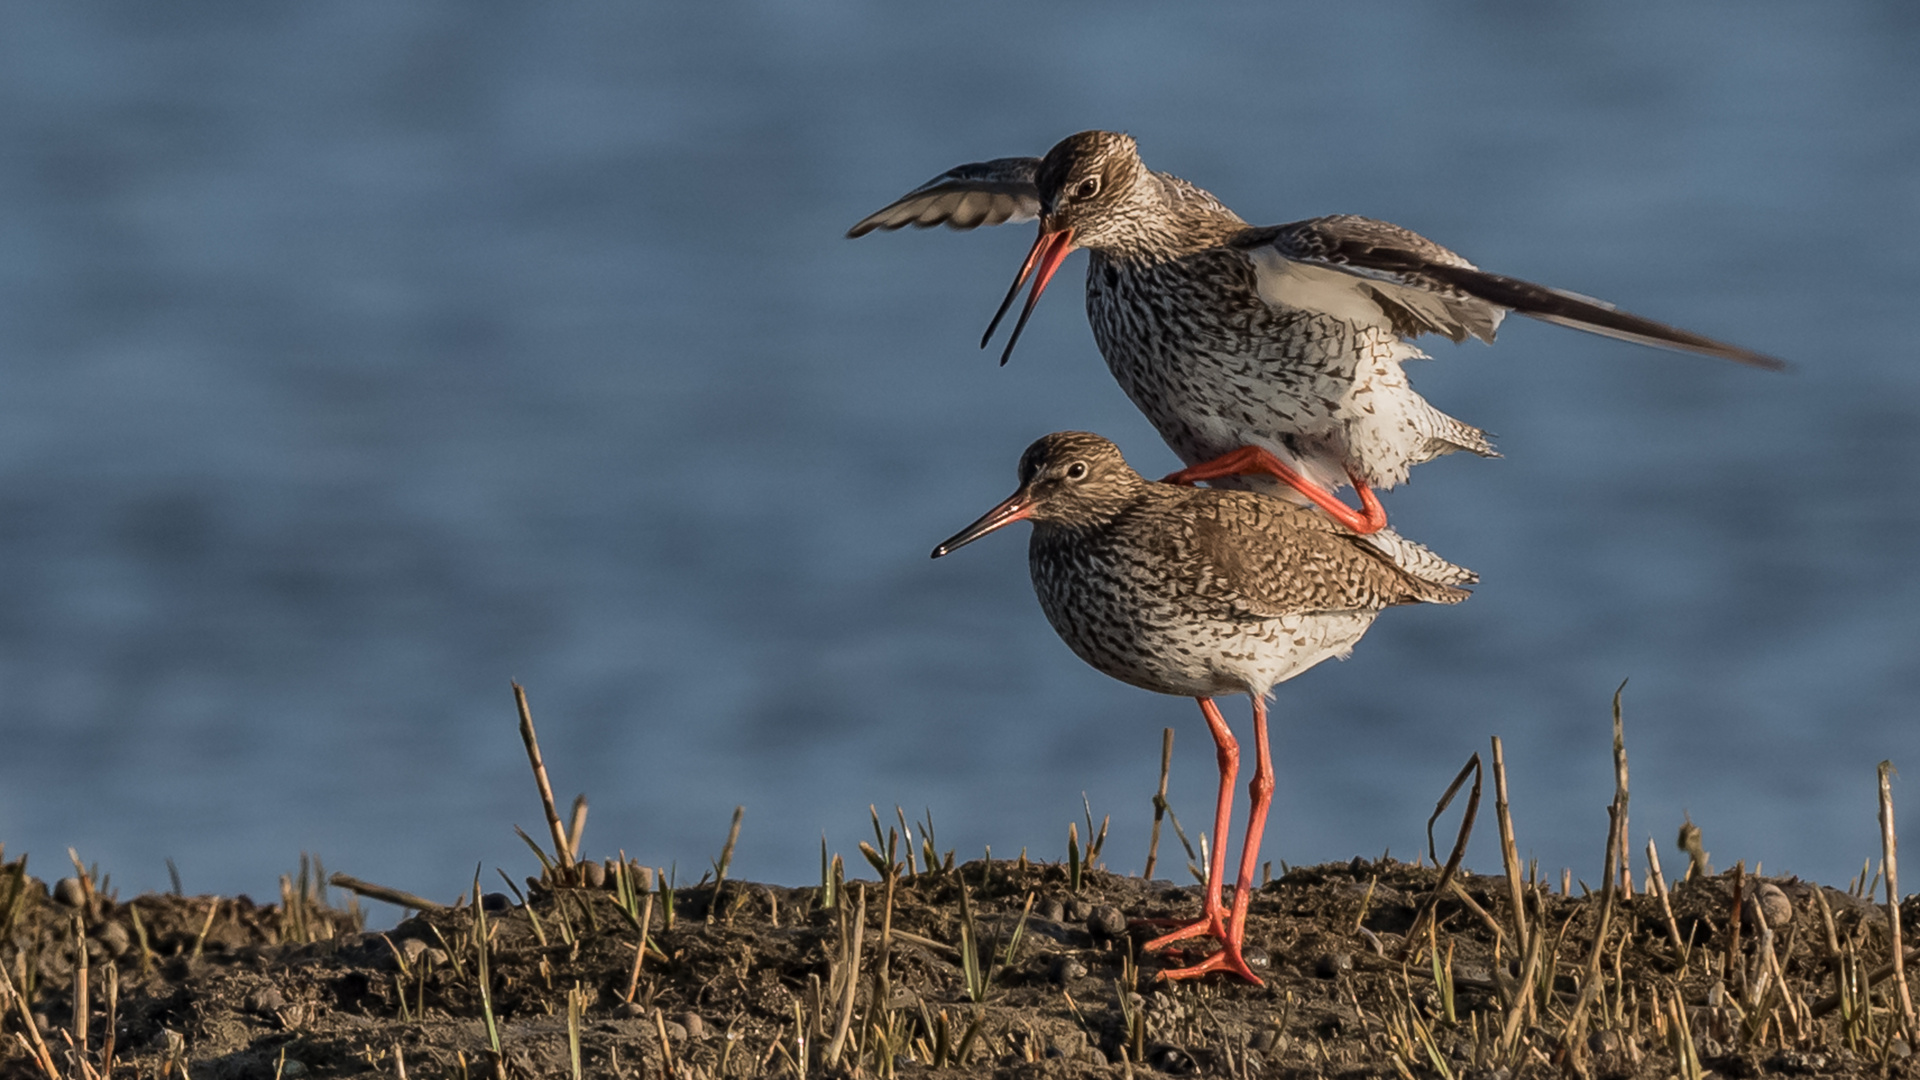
x: 754, y: 983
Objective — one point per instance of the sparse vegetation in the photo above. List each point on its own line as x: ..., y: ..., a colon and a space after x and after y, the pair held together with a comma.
x: 1011, y: 967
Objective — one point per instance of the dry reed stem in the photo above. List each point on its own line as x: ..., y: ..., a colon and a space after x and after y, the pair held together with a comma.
x: 1610, y: 880
x: 1878, y: 975
x: 640, y: 948
x: 726, y: 860
x: 1159, y: 801
x: 82, y: 1008
x: 381, y: 892
x: 38, y: 1046
x: 1625, y: 854
x: 1732, y: 959
x: 852, y: 983
x: 666, y: 1044
x: 1658, y: 884
x: 1459, y: 848
x: 1509, y: 851
x: 577, y: 823
x: 1889, y: 847
x: 1492, y: 924
x: 562, y: 848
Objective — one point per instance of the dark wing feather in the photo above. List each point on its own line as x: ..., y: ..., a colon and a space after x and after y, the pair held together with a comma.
x: 1422, y: 286
x: 983, y: 193
x: 1593, y: 316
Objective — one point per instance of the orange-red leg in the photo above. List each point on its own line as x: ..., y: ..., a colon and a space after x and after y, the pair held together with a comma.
x: 1230, y: 958
x: 1213, y: 913
x: 1371, y: 517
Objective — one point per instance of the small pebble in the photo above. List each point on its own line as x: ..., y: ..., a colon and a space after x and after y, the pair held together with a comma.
x: 1258, y: 960
x: 115, y: 938
x: 1107, y: 921
x: 1330, y: 965
x: 45, y: 1025
x: 1066, y: 970
x: 594, y: 874
x: 293, y: 1068
x: 676, y: 1032
x: 266, y: 1001
x: 1773, y: 904
x: 628, y: 1010
x: 1067, y: 1044
x: 1078, y: 910
x: 68, y: 891
x: 1899, y: 1048
x: 1603, y: 1042
x: 1173, y: 1060
x: 411, y: 948
x: 1358, y: 867
x: 1052, y: 910
x: 1264, y: 1041
x: 696, y: 1028
x: 496, y: 901
x: 437, y: 957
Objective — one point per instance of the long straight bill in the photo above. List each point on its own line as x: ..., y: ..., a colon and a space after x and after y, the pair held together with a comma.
x: 1017, y: 508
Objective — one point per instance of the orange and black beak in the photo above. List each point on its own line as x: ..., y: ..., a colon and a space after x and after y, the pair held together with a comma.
x: 1018, y: 507
x: 1049, y: 251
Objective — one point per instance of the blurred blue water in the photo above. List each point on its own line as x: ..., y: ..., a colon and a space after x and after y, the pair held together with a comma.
x: 356, y: 358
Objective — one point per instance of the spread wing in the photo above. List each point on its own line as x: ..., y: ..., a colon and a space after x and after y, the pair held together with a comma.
x: 983, y: 193
x: 1372, y: 271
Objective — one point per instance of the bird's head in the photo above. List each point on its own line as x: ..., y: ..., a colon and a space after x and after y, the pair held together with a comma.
x: 1070, y: 479
x: 1088, y: 184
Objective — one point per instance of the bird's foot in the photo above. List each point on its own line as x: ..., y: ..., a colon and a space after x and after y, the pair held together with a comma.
x: 1228, y: 959
x: 1213, y: 924
x: 1370, y: 518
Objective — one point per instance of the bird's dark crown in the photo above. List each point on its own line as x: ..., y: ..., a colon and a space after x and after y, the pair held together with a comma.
x: 1087, y: 171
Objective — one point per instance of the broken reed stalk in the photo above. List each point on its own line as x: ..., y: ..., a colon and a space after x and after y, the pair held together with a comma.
x: 726, y: 860
x: 1625, y: 854
x: 1889, y: 846
x: 1609, y: 884
x: 1732, y: 959
x: 1509, y: 851
x: 1459, y: 849
x: 563, y: 850
x: 1159, y: 801
x: 396, y: 897
x: 82, y: 1008
x: 852, y: 982
x: 1658, y: 883
x: 577, y: 822
x: 1875, y: 977
x: 640, y: 948
x: 38, y: 1046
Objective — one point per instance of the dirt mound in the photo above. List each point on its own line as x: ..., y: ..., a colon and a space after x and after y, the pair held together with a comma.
x: 1002, y: 968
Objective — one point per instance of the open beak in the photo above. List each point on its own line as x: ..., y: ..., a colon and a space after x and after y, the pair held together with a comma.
x: 1018, y: 507
x: 1049, y: 251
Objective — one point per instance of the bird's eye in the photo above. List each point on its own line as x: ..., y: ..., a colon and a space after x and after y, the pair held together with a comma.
x: 1088, y: 188
x: 1077, y: 471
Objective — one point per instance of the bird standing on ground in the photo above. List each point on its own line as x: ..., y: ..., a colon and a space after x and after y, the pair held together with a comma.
x: 1196, y: 592
x: 1257, y: 350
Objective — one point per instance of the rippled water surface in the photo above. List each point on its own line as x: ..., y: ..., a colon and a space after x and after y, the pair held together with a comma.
x: 357, y: 358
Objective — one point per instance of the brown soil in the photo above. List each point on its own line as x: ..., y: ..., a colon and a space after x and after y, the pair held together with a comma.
x: 755, y: 986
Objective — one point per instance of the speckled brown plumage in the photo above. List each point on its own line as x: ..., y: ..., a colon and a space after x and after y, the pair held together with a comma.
x: 1290, y: 338
x: 1197, y: 592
